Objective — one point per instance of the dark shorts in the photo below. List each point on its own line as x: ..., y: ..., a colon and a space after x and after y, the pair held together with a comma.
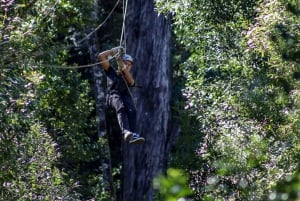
x: 125, y: 109
x: 118, y: 102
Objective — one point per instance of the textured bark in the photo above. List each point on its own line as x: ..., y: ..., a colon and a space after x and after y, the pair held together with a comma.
x: 99, y: 92
x: 148, y: 37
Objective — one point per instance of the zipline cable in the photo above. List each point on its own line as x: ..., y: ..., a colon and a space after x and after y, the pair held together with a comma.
x: 123, y: 33
x: 81, y: 66
x: 98, y: 27
x: 85, y: 38
x: 122, y: 38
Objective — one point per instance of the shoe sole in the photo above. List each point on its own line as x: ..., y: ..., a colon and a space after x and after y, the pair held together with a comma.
x: 137, y: 141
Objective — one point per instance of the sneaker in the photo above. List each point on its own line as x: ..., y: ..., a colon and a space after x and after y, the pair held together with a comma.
x: 136, y: 139
x: 127, y: 136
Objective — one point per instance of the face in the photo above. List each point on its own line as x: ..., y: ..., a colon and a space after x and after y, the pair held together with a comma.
x: 128, y: 64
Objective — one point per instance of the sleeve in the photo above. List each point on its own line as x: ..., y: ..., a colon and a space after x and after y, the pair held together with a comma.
x: 112, y: 74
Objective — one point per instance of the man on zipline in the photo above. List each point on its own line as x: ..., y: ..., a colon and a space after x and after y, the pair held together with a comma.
x: 118, y: 94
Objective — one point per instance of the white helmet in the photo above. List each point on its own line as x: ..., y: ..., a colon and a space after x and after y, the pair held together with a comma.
x: 127, y: 57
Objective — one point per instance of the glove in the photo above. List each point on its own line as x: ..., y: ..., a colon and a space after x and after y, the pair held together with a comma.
x: 120, y: 65
x: 118, y: 50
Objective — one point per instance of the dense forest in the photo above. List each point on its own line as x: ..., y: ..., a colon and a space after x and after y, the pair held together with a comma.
x: 217, y: 96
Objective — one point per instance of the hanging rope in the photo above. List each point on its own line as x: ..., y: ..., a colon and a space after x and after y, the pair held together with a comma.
x: 85, y: 38
x: 123, y: 33
x: 98, y: 27
x: 122, y: 38
x: 81, y: 66
x: 123, y: 42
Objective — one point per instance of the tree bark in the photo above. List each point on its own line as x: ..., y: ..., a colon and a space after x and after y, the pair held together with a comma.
x: 99, y: 93
x: 148, y: 37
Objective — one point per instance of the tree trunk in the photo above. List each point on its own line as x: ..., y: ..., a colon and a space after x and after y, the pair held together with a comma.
x: 99, y: 92
x: 148, y: 37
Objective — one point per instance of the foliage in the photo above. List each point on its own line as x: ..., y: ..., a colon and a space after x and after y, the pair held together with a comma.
x: 241, y: 86
x: 173, y: 186
x: 47, y: 129
x: 287, y: 189
x: 240, y: 121
x: 28, y: 152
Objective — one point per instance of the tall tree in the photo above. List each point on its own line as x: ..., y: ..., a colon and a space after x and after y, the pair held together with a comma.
x: 148, y: 38
x: 242, y: 85
x: 98, y: 86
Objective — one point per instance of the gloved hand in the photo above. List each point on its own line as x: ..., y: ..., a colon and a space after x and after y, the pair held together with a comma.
x: 120, y: 64
x: 118, y: 50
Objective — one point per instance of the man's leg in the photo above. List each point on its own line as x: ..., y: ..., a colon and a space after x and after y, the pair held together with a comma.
x: 131, y: 114
x: 116, y: 102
